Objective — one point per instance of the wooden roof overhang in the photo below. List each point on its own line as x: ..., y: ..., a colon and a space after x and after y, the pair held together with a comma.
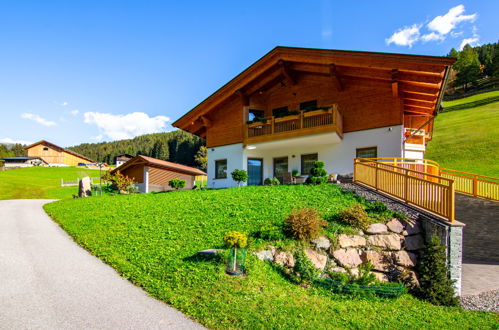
x: 417, y: 80
x: 149, y: 161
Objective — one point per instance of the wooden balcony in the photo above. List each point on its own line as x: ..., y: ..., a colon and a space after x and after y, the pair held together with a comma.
x: 302, y: 124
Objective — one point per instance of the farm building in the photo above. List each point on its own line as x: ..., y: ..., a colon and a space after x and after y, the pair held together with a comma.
x: 153, y: 174
x: 122, y: 159
x: 54, y: 155
x: 23, y: 161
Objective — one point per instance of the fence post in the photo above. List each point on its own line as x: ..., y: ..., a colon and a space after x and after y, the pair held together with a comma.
x: 406, y: 186
x: 451, y: 211
x: 475, y: 185
x: 376, y: 175
x: 355, y: 162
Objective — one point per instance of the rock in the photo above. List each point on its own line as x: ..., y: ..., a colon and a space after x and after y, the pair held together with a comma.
x: 347, y: 258
x: 284, y: 258
x: 382, y: 277
x: 361, y: 233
x: 388, y: 242
x: 319, y: 260
x: 210, y: 253
x: 321, y: 243
x: 405, y: 233
x: 414, y: 242
x: 377, y: 228
x: 265, y: 255
x: 381, y: 261
x: 337, y: 270
x: 346, y: 241
x: 395, y: 226
x: 413, y: 228
x: 406, y: 259
x: 85, y: 187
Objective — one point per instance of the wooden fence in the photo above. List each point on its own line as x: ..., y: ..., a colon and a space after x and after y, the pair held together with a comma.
x: 473, y: 184
x: 74, y: 183
x: 430, y: 192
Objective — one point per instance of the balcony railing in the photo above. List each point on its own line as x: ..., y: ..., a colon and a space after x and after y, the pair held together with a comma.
x: 295, y: 125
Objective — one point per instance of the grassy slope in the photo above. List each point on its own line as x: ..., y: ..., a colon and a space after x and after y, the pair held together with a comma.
x: 473, y: 98
x: 467, y: 140
x: 40, y: 182
x: 152, y: 239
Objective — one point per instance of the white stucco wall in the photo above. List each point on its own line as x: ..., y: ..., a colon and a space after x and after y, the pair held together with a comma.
x: 338, y: 157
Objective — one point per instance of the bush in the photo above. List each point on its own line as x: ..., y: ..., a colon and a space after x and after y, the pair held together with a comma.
x: 355, y: 216
x: 239, y: 176
x: 176, y: 183
x: 295, y: 173
x: 270, y: 233
x: 304, y: 224
x: 304, y: 269
x: 318, y: 175
x: 377, y: 207
x: 118, y: 180
x: 435, y: 284
x: 271, y: 182
x: 235, y: 239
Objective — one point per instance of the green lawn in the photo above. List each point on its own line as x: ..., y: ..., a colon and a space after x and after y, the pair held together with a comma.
x: 467, y: 140
x: 40, y: 182
x: 470, y: 99
x: 152, y: 240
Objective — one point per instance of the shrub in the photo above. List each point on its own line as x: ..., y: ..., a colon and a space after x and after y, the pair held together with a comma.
x: 176, y: 183
x: 355, y: 216
x: 435, y: 284
x: 318, y: 175
x: 271, y: 182
x: 235, y: 239
x: 295, y: 173
x: 118, y: 180
x: 304, y: 269
x: 239, y: 176
x: 377, y: 207
x: 304, y: 224
x: 270, y: 232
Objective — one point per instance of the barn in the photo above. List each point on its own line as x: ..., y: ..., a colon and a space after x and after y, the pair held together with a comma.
x: 54, y: 155
x: 153, y: 174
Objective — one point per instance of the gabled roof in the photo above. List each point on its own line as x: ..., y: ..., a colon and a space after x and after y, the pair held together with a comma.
x: 54, y: 146
x: 418, y: 80
x: 22, y: 158
x: 149, y: 161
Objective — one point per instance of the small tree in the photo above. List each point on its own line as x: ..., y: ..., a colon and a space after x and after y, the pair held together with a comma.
x: 176, y: 183
x: 435, y: 284
x: 201, y: 157
x: 239, y: 176
x: 318, y: 175
x: 121, y: 182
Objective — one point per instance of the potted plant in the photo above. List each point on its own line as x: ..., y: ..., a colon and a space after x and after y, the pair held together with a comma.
x: 237, y: 243
x: 295, y: 173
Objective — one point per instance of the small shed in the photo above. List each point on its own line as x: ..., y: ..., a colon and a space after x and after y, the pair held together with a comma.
x: 122, y: 159
x: 153, y: 174
x: 23, y: 161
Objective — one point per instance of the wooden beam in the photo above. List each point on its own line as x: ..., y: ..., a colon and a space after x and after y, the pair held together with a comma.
x: 418, y: 109
x: 263, y: 83
x: 408, y: 95
x: 206, y: 121
x: 286, y: 72
x: 420, y: 103
x: 335, y: 77
x: 244, y: 97
x: 395, y: 84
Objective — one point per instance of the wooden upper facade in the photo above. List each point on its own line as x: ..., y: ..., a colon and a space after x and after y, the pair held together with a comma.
x: 53, y: 154
x: 349, y: 91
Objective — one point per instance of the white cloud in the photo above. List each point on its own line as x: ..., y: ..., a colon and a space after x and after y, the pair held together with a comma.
x: 118, y: 127
x: 97, y: 138
x: 38, y: 119
x: 448, y: 22
x: 432, y: 37
x: 406, y: 36
x: 11, y: 141
x: 470, y: 41
x: 64, y: 104
x: 456, y: 34
x: 74, y: 112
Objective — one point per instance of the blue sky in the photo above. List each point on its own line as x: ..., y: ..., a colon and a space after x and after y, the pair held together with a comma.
x: 88, y: 71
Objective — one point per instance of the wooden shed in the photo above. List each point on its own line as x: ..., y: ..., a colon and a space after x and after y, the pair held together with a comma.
x: 54, y: 155
x: 153, y: 174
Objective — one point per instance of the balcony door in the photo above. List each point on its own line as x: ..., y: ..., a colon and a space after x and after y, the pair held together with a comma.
x: 255, y: 171
x: 280, y: 167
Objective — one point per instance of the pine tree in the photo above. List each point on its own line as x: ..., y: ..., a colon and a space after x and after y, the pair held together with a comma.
x: 435, y: 284
x: 467, y: 66
x: 201, y: 157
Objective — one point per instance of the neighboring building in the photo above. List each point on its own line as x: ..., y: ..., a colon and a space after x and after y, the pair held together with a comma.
x: 122, y: 159
x: 297, y: 105
x: 23, y: 161
x: 153, y: 174
x: 54, y: 155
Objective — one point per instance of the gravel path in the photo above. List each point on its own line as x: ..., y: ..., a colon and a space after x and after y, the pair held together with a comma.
x: 49, y: 282
x: 486, y: 301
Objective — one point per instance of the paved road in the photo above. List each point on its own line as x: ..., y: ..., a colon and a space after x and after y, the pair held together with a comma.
x: 48, y: 282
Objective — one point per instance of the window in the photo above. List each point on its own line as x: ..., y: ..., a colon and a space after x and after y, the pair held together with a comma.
x: 307, y: 163
x: 280, y: 167
x: 371, y: 152
x: 221, y: 169
x: 308, y: 105
x: 280, y: 112
x: 254, y: 113
x: 45, y: 149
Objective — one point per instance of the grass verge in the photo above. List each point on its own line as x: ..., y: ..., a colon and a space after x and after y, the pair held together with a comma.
x: 152, y: 240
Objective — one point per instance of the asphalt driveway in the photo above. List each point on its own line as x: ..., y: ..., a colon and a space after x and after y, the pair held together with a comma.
x: 49, y: 282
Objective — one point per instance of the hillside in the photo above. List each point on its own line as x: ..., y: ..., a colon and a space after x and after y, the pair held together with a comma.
x: 177, y: 146
x: 467, y: 140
